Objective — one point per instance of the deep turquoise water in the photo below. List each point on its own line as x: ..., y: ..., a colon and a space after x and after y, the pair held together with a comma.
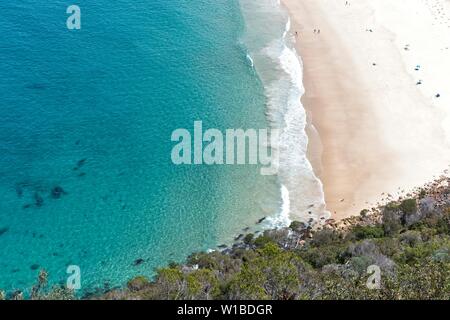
x: 92, y: 111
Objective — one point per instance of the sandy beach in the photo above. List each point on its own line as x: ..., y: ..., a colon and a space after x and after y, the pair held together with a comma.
x: 377, y: 95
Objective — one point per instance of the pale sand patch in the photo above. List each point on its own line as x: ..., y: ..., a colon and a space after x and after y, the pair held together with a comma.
x: 380, y: 132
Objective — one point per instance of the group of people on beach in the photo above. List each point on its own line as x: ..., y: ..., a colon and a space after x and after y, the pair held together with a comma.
x: 315, y: 31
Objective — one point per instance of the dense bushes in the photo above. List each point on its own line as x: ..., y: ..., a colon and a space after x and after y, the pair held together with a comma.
x: 367, y: 232
x: 272, y: 274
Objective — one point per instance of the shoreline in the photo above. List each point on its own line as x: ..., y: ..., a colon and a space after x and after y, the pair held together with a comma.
x: 377, y: 134
x: 422, y: 218
x: 279, y: 69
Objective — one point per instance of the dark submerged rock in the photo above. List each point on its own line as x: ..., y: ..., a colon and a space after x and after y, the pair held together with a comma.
x: 38, y: 200
x: 3, y: 231
x: 138, y: 262
x: 81, y: 162
x: 19, y: 191
x: 36, y: 86
x: 57, y: 192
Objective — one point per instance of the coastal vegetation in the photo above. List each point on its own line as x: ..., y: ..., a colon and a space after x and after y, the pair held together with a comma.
x: 408, y: 240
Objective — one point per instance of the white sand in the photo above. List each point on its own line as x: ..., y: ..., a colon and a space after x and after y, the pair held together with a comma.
x: 379, y: 131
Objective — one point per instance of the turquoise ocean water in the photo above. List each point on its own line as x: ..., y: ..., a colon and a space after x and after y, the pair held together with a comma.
x: 86, y: 176
x: 91, y: 112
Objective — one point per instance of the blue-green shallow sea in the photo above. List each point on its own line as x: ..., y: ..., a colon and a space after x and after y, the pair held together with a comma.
x: 92, y: 111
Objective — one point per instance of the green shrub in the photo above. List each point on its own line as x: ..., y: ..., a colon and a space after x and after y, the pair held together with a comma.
x: 273, y: 274
x: 368, y: 232
x: 248, y: 239
x: 319, y: 257
x: 138, y: 283
x: 297, y: 226
x: 408, y: 206
x: 217, y: 260
x: 391, y: 222
x: 392, y: 206
x: 325, y: 237
x: 360, y: 264
x: 388, y: 246
x: 411, y: 238
x: 261, y: 241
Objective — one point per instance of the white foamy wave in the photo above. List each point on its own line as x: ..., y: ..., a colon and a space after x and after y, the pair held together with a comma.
x: 282, y: 219
x: 288, y: 28
x: 281, y: 72
x: 249, y: 58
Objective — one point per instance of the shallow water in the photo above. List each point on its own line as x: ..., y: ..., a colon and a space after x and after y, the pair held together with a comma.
x: 91, y: 111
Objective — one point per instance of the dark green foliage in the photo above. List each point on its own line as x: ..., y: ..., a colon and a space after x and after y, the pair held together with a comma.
x: 272, y: 274
x: 392, y: 206
x: 410, y: 238
x: 248, y: 239
x: 174, y: 284
x: 137, y: 283
x: 319, y: 257
x: 367, y: 232
x: 218, y: 261
x: 391, y: 222
x: 297, y: 226
x: 262, y: 241
x: 425, y: 280
x: 325, y: 237
x: 442, y: 225
x: 278, y: 236
x: 388, y: 246
x: 408, y: 206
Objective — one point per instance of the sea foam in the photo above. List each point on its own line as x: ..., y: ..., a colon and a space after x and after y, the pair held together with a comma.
x: 281, y: 72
